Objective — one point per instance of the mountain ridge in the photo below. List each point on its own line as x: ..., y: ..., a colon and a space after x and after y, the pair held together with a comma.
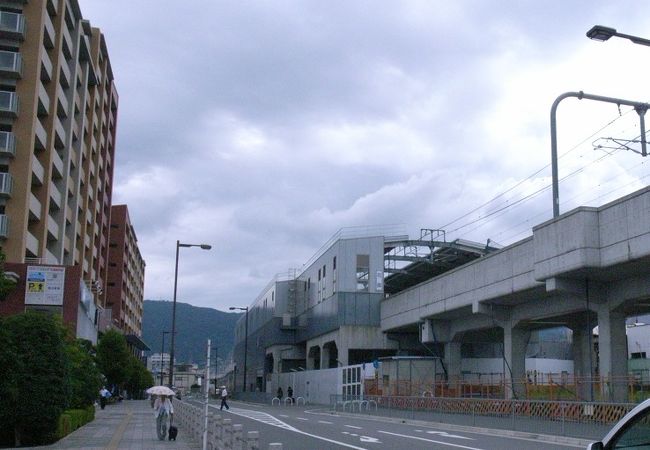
x: 194, y: 326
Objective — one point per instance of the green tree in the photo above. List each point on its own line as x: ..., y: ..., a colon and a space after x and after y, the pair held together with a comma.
x: 84, y: 377
x: 113, y: 358
x: 10, y: 366
x: 37, y: 392
x: 139, y: 378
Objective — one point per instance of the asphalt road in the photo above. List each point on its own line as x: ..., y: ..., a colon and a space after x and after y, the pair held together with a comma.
x: 303, y: 428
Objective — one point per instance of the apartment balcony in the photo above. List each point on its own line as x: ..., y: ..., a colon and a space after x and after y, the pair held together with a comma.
x: 68, y: 214
x: 4, y: 226
x: 46, y: 68
x: 62, y: 103
x: 43, y: 101
x: 65, y: 74
x: 7, y: 144
x: 55, y: 197
x: 66, y: 244
x: 11, y: 64
x: 67, y: 42
x: 6, y: 185
x: 49, y: 36
x: 38, y: 172
x: 52, y: 7
x: 34, y: 208
x: 31, y: 244
x: 40, y: 141
x: 59, y: 134
x: 50, y: 258
x: 8, y: 104
x: 57, y: 166
x: 52, y: 229
x: 12, y: 25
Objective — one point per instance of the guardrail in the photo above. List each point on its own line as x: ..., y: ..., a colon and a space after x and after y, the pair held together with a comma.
x: 222, y: 433
x: 577, y: 419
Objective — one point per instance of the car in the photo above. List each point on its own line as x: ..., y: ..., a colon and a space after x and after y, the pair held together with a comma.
x: 632, y: 431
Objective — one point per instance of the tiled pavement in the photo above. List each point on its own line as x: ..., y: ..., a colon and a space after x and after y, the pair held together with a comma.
x: 126, y: 425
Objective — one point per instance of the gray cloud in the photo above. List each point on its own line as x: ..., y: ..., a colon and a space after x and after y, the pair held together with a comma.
x: 264, y: 127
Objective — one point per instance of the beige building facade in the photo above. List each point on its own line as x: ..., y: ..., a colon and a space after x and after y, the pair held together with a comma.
x: 58, y: 113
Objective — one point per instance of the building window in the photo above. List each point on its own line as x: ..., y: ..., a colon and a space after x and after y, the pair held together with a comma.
x: 638, y: 355
x: 363, y: 272
x: 318, y: 274
x: 324, y: 266
x: 334, y: 263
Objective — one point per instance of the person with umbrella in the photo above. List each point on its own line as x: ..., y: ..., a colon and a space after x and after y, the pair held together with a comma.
x: 163, y: 408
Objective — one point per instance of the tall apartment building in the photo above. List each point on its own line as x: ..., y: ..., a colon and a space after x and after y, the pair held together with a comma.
x: 125, y: 286
x: 58, y: 110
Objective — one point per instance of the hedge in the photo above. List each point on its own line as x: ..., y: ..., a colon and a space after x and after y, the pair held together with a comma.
x: 72, y: 419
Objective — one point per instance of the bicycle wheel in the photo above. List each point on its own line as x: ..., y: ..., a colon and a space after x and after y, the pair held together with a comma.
x: 161, y: 426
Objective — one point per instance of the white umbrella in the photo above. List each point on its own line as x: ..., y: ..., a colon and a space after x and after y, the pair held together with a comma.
x: 160, y: 390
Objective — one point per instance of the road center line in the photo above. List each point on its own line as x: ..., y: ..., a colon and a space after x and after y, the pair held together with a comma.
x: 352, y: 426
x: 325, y: 422
x: 301, y: 418
x: 429, y: 440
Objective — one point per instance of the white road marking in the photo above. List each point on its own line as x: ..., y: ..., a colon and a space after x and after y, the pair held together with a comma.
x: 301, y: 418
x: 272, y: 421
x: 372, y: 440
x: 429, y: 440
x: 325, y: 422
x: 445, y: 434
x: 283, y: 415
x: 353, y: 427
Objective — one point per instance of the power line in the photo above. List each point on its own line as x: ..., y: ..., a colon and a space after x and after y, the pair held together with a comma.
x: 535, y: 173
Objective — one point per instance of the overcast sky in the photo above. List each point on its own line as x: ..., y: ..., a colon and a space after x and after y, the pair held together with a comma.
x: 263, y: 127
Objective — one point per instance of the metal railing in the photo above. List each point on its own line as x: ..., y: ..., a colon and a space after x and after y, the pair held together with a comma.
x: 575, y: 419
x: 551, y: 386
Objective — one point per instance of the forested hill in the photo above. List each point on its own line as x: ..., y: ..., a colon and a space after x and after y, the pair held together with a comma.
x: 194, y: 326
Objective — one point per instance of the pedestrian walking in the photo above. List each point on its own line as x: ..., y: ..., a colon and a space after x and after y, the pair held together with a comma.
x: 103, y: 397
x: 290, y: 394
x: 224, y: 397
x: 280, y: 393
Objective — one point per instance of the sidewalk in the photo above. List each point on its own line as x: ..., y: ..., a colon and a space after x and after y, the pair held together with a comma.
x: 126, y: 425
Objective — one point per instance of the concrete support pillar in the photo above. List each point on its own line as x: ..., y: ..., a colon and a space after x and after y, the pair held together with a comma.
x: 515, y: 341
x: 325, y: 357
x: 452, y: 360
x: 584, y: 362
x: 612, y: 352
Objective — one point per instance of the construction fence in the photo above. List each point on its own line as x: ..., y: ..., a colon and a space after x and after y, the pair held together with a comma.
x: 556, y: 387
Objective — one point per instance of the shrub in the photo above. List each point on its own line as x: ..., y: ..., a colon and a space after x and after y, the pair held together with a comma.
x: 72, y: 419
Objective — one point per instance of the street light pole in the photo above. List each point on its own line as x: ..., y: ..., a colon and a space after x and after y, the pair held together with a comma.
x: 162, y: 359
x: 602, y: 33
x: 639, y: 107
x: 173, y: 346
x: 245, y: 308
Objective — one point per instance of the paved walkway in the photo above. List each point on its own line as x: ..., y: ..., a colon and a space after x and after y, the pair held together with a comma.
x: 126, y: 425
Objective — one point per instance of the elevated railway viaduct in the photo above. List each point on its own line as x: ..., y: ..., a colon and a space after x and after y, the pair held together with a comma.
x: 588, y: 267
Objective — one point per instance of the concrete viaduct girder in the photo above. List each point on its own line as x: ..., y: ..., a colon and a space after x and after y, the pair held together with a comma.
x: 585, y: 268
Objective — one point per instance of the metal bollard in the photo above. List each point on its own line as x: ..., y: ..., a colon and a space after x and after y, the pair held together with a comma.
x: 217, y: 430
x: 237, y: 438
x: 227, y: 433
x: 252, y: 440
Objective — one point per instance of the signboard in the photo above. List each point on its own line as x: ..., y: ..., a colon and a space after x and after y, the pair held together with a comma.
x: 44, y: 285
x: 380, y: 280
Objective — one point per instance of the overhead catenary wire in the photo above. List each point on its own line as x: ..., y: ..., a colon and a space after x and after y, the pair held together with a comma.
x: 531, y: 176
